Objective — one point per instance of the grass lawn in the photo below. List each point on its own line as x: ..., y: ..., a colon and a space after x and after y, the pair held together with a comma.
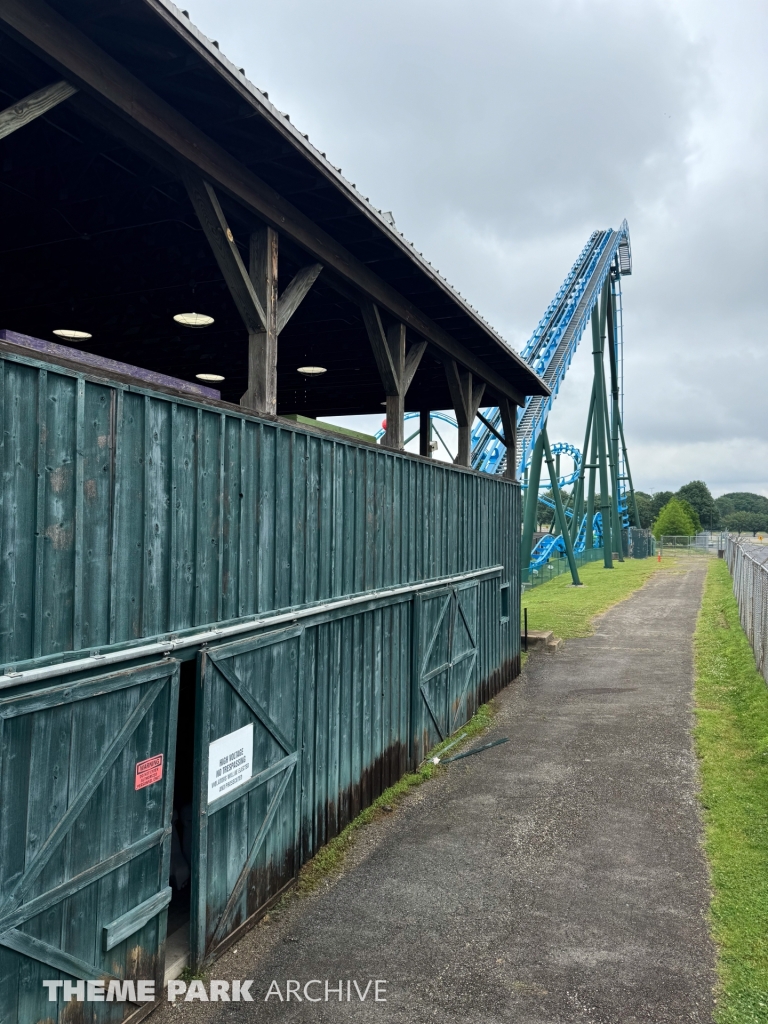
x: 569, y: 610
x: 731, y: 739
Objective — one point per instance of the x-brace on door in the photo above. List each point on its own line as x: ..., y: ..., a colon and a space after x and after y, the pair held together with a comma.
x: 445, y: 653
x: 247, y: 767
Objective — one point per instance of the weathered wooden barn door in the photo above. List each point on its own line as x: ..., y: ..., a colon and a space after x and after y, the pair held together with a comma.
x: 86, y: 794
x: 445, y: 651
x: 247, y: 764
x: 463, y: 650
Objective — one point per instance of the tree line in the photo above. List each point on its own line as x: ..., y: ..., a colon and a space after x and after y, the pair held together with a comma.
x: 688, y: 511
x: 692, y: 509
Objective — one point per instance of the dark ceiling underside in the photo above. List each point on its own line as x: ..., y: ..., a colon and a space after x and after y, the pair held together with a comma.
x: 96, y: 237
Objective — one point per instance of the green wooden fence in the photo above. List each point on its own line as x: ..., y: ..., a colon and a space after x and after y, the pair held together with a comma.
x: 344, y: 605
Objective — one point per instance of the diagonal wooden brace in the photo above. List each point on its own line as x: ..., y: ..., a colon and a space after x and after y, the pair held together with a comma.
x: 396, y: 368
x: 466, y: 395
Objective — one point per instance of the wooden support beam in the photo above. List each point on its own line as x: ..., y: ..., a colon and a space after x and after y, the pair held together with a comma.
x: 254, y: 292
x: 509, y: 423
x: 396, y: 368
x: 34, y: 106
x: 425, y: 434
x: 295, y: 293
x: 394, y: 436
x: 487, y: 423
x: 412, y: 360
x: 381, y: 350
x: 222, y: 241
x: 46, y: 32
x: 261, y: 395
x: 466, y: 395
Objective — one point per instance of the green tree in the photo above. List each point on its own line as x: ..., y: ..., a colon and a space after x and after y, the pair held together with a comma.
x: 741, y: 501
x: 674, y: 521
x: 644, y: 509
x: 693, y: 515
x: 698, y: 495
x: 658, y: 501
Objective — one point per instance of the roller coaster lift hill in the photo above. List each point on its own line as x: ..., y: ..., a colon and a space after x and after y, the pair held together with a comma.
x: 591, y: 293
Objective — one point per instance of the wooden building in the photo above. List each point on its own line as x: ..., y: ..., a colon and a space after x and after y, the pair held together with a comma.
x: 224, y: 630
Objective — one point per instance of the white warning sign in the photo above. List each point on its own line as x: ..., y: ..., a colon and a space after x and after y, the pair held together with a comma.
x: 230, y: 762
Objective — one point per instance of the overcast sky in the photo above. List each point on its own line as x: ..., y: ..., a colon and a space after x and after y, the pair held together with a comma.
x: 501, y: 134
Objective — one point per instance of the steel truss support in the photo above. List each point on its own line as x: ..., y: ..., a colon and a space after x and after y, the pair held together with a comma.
x: 618, y: 426
x: 578, y: 501
x: 598, y: 333
x: 531, y: 506
x: 559, y: 511
x: 618, y: 530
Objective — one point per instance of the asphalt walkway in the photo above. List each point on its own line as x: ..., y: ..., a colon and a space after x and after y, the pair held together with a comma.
x: 556, y: 878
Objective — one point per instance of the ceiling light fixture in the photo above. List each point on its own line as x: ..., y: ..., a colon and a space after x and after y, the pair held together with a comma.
x: 312, y: 371
x: 72, y: 335
x: 193, y: 319
x: 209, y: 376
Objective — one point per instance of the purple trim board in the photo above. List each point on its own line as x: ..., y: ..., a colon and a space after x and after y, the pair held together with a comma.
x: 140, y: 375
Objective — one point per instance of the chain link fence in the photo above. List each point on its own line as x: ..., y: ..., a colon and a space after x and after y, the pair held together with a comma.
x: 557, y: 566
x: 748, y: 565
x: 708, y: 543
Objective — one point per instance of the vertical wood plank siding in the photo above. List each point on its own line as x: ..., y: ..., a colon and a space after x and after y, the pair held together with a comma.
x: 126, y: 514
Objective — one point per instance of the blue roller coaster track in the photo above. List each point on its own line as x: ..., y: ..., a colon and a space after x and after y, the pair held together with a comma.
x: 553, y: 344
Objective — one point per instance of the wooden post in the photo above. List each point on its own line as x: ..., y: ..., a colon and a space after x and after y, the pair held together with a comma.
x: 508, y: 412
x: 395, y: 368
x: 425, y: 434
x: 261, y: 395
x: 466, y: 395
x: 395, y: 432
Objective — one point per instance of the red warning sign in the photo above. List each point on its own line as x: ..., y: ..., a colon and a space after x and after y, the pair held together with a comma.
x: 149, y: 771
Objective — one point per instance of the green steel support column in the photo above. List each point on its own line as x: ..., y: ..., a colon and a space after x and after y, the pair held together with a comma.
x: 531, y: 502
x: 555, y: 520
x: 613, y: 478
x: 559, y: 511
x: 578, y: 502
x: 613, y: 471
x: 568, y: 505
x: 617, y: 414
x: 635, y: 511
x: 613, y: 466
x: 602, y: 453
x: 615, y: 417
x: 590, y: 513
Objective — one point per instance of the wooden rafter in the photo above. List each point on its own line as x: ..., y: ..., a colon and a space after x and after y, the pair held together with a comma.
x: 96, y: 72
x: 34, y: 106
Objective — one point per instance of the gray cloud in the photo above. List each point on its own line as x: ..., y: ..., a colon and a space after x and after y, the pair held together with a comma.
x: 502, y: 133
